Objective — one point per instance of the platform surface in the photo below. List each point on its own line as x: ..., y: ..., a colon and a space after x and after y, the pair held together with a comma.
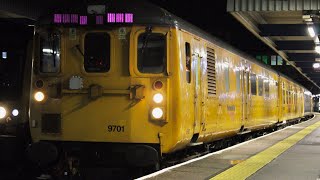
x: 291, y: 153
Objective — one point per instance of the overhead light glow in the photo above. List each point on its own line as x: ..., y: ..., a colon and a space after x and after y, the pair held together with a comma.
x: 311, y: 31
x: 317, y: 49
x: 47, y: 50
x: 4, y: 55
x: 316, y: 65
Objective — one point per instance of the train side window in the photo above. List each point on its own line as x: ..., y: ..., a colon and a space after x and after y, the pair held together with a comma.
x: 226, y: 78
x: 283, y: 96
x: 260, y: 86
x: 188, y: 62
x: 50, y: 52
x: 97, y: 52
x: 288, y: 97
x: 266, y: 87
x: 253, y: 82
x: 152, y: 52
x: 238, y: 80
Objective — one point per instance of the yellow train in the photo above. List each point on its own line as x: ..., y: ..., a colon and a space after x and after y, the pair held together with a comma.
x: 127, y: 83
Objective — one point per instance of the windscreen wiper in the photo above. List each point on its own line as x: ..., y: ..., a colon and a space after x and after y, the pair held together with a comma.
x: 146, y: 39
x: 78, y: 48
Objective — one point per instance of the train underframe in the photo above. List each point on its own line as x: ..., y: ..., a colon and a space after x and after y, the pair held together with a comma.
x: 70, y: 158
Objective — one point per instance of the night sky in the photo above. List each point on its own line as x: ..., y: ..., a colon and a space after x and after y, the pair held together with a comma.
x: 216, y: 21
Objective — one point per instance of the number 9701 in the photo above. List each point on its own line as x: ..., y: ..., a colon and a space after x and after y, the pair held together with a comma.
x: 114, y: 128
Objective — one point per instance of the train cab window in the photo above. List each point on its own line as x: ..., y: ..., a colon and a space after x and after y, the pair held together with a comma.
x: 253, y: 82
x: 260, y: 86
x: 188, y: 62
x: 266, y: 87
x: 97, y: 52
x: 50, y: 52
x: 151, y: 52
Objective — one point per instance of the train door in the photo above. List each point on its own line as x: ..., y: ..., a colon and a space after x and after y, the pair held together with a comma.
x: 246, y: 94
x: 197, y: 84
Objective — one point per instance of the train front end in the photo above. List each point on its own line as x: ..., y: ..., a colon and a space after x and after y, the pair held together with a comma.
x: 100, y: 89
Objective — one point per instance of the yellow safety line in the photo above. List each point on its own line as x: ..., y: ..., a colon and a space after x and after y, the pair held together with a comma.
x: 246, y: 168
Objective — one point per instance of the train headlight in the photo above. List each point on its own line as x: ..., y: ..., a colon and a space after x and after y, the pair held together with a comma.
x: 3, y: 112
x: 39, y: 96
x: 158, y: 98
x: 15, y: 112
x: 157, y: 113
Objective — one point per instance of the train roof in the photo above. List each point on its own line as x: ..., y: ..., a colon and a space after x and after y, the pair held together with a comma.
x: 146, y: 13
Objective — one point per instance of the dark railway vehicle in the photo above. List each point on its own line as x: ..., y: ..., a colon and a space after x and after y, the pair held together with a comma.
x: 128, y: 83
x: 14, y: 96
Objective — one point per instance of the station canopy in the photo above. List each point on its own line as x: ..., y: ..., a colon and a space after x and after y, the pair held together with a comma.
x: 291, y: 28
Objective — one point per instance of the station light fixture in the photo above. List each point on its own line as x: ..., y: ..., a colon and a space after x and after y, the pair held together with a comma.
x: 317, y: 49
x: 311, y: 31
x: 316, y: 65
x: 4, y: 55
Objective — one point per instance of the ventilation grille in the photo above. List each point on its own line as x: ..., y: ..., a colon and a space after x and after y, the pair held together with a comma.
x: 211, y: 71
x: 51, y: 123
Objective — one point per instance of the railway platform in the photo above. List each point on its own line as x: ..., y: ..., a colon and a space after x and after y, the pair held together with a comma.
x: 290, y: 153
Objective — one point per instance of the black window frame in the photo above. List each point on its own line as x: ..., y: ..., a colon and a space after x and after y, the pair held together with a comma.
x: 188, y: 61
x: 108, y: 52
x: 41, y: 39
x: 161, y: 68
x: 251, y: 84
x: 260, y: 86
x: 266, y: 88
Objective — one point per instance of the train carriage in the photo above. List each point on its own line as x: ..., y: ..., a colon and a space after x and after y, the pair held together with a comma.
x: 308, y: 103
x: 132, y: 85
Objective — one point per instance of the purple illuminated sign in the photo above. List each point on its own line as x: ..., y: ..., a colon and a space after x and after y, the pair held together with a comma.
x: 119, y: 17
x: 57, y: 18
x: 100, y: 19
x: 111, y: 17
x: 83, y: 20
x: 74, y: 18
x: 66, y: 18
x: 129, y: 18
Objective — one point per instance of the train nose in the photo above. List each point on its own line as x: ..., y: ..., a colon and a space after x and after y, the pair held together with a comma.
x: 42, y: 153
